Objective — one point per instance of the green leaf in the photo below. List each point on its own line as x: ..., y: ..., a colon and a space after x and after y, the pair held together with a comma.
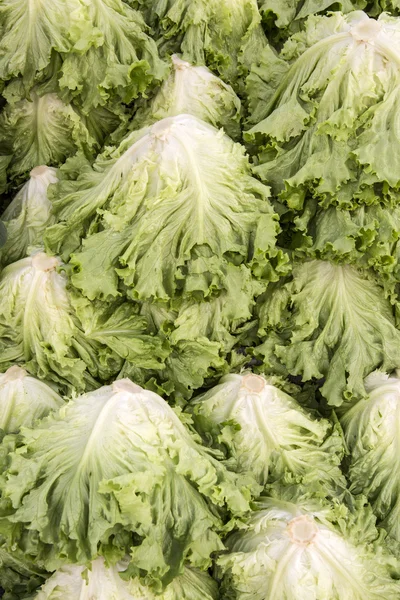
x: 121, y: 62
x: 123, y: 330
x: 225, y: 35
x: 30, y: 35
x: 336, y: 324
x: 42, y: 131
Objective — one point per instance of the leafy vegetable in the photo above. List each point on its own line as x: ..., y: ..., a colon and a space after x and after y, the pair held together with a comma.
x: 114, y: 59
x: 101, y: 582
x: 367, y: 237
x: 19, y: 577
x: 120, y: 327
x: 290, y: 12
x: 38, y: 326
x: 23, y: 399
x: 195, y: 91
x: 375, y: 7
x: 298, y: 549
x: 226, y: 35
x: 112, y: 463
x: 42, y: 131
x: 202, y: 335
x: 371, y: 433
x: 28, y: 215
x: 267, y: 433
x: 335, y: 141
x: 333, y: 322
x: 29, y: 38
x: 177, y: 200
x: 100, y: 49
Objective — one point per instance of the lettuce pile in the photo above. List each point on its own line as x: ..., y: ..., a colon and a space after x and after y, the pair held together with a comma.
x: 199, y: 300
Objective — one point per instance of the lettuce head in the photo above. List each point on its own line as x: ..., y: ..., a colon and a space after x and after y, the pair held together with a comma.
x: 332, y: 323
x: 28, y: 215
x: 24, y: 399
x: 370, y: 429
x: 104, y: 583
x: 99, y: 51
x: 295, y: 548
x: 39, y: 328
x: 43, y: 130
x: 267, y: 433
x: 193, y: 90
x: 117, y: 471
x: 164, y: 213
x: 324, y: 112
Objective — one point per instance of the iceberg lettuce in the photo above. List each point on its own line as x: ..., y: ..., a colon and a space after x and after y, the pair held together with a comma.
x: 267, y: 433
x: 371, y: 433
x: 117, y: 471
x: 163, y: 214
x: 28, y: 215
x: 100, y: 582
x: 297, y: 548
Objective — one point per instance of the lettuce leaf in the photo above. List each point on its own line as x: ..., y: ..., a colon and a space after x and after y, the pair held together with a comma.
x: 330, y: 322
x: 104, y: 583
x: 225, y: 35
x: 371, y: 433
x: 24, y: 399
x: 193, y: 90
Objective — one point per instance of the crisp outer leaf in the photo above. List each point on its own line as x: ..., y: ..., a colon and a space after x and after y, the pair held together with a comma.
x: 122, y: 62
x: 4, y: 163
x: 337, y: 325
x: 38, y: 326
x: 111, y: 463
x: 367, y: 237
x: 123, y: 330
x: 226, y: 35
x: 30, y: 33
x: 42, y: 131
x: 340, y: 100
x: 100, y: 582
x: 193, y: 90
x: 267, y: 433
x: 375, y: 7
x: 203, y: 334
x: 219, y: 318
x: 176, y: 199
x: 28, y: 215
x: 24, y: 399
x: 19, y: 577
x: 284, y: 12
x: 371, y: 430
x: 296, y: 550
